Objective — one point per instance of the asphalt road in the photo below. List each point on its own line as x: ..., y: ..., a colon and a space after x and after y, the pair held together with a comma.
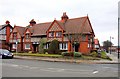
x: 34, y: 68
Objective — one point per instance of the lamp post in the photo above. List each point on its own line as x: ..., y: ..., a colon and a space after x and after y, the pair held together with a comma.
x: 110, y: 43
x: 118, y: 38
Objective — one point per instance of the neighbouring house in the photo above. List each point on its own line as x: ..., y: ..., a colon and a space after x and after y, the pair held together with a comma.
x: 16, y: 38
x: 5, y: 31
x: 77, y: 31
x: 97, y: 44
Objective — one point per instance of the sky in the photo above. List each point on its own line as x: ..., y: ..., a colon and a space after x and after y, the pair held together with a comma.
x: 103, y: 14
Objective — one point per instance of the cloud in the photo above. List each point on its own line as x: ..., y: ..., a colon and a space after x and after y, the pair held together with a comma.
x: 102, y: 13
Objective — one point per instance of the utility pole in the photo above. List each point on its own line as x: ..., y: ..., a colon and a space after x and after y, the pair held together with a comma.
x: 118, y: 38
x: 110, y: 43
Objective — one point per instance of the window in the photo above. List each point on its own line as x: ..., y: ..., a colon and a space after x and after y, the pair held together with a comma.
x: 96, y: 46
x: 63, y: 46
x: 27, y: 35
x: 83, y: 37
x: 89, y: 45
x: 46, y: 46
x: 15, y: 35
x: 27, y: 46
x: 58, y: 34
x: 14, y: 46
x: 4, y: 31
x: 51, y: 34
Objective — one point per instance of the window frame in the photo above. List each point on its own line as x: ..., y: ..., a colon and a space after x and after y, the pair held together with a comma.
x: 59, y: 34
x: 14, y: 46
x: 51, y: 34
x: 15, y: 35
x: 63, y: 46
x: 26, y: 46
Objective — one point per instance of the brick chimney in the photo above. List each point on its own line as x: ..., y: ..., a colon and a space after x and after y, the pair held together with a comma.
x: 32, y: 22
x: 7, y: 22
x: 64, y: 17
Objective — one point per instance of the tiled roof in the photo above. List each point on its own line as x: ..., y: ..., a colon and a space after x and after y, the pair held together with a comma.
x: 40, y: 29
x: 21, y: 29
x: 74, y: 25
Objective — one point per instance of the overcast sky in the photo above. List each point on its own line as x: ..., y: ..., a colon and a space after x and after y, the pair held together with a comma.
x: 103, y: 14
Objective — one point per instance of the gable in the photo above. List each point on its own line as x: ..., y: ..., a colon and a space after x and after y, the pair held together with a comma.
x: 15, y: 30
x: 88, y: 27
x: 27, y: 31
x: 55, y: 27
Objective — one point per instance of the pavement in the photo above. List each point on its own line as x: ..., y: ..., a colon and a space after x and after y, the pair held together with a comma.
x: 102, y: 61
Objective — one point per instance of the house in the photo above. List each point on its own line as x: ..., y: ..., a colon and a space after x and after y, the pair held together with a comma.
x: 97, y: 44
x: 5, y: 31
x: 16, y: 38
x: 77, y: 31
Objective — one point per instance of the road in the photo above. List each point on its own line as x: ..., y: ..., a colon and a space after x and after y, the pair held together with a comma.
x: 34, y: 68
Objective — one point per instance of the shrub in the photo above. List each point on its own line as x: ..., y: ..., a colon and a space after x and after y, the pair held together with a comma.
x: 54, y: 47
x: 104, y: 55
x: 94, y: 54
x: 66, y: 53
x: 76, y: 54
x: 45, y: 50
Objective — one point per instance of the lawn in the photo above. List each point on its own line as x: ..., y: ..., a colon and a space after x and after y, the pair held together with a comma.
x: 83, y: 57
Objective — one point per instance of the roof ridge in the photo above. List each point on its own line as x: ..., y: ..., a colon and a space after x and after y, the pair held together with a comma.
x: 78, y: 17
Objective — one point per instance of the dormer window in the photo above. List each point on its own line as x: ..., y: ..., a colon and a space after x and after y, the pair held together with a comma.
x: 51, y: 34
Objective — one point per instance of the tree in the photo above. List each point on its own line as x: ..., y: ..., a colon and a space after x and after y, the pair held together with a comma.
x: 54, y: 47
x: 106, y: 45
x: 42, y: 44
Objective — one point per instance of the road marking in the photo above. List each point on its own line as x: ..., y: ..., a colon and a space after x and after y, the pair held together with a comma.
x: 95, y: 71
x: 34, y: 67
x: 14, y: 65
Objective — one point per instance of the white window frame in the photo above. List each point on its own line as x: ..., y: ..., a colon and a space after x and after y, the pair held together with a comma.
x: 51, y: 34
x: 14, y: 46
x: 63, y: 46
x: 26, y: 46
x: 58, y: 34
x: 46, y: 46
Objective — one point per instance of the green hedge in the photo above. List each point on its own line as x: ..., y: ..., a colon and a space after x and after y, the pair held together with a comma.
x: 101, y: 54
x: 76, y: 54
x: 38, y: 55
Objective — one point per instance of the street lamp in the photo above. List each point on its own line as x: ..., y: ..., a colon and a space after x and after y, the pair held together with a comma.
x: 118, y: 38
x: 110, y: 43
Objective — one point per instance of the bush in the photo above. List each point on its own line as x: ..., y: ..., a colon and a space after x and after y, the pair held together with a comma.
x: 45, y: 50
x: 76, y: 54
x: 94, y: 54
x: 66, y: 53
x: 54, y: 47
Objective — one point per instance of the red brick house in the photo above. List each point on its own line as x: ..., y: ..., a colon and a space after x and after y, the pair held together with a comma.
x: 66, y: 31
x: 17, y: 37
x: 5, y: 31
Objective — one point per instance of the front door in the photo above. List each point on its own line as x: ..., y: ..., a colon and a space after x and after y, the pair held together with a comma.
x: 35, y: 47
x: 76, y: 47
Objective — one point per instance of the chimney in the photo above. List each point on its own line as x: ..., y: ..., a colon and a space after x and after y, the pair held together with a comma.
x: 7, y: 22
x: 64, y: 17
x: 32, y: 22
